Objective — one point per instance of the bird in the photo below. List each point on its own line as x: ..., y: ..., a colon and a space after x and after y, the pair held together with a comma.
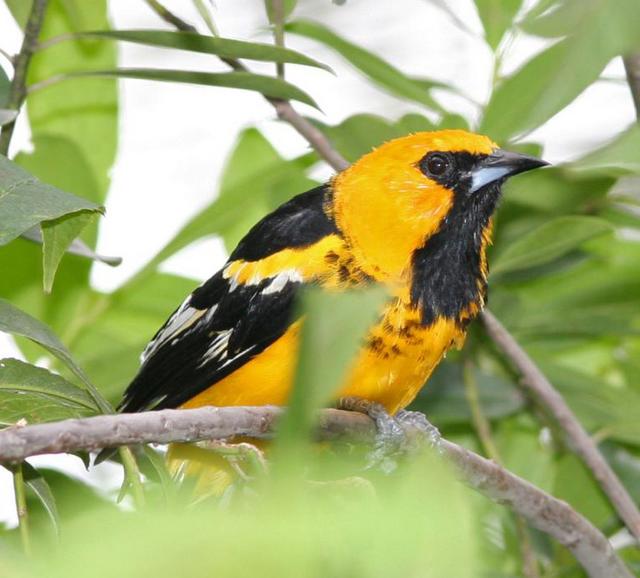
x: 414, y: 215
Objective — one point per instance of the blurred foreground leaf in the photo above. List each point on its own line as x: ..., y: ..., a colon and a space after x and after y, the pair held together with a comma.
x: 377, y: 69
x: 333, y: 329
x: 266, y: 85
x: 25, y: 201
x: 37, y: 395
x: 223, y: 47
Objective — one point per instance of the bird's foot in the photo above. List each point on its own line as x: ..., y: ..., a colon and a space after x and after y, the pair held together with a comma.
x: 419, y: 421
x: 392, y: 439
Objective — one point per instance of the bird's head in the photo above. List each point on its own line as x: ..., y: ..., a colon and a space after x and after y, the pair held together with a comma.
x: 394, y: 199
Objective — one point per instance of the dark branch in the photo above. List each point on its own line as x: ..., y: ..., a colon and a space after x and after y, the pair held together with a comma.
x: 17, y: 90
x: 578, y: 439
x: 543, y: 511
x: 632, y: 66
x: 284, y: 109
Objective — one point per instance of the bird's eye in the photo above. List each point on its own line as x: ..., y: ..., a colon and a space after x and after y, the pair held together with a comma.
x: 436, y: 164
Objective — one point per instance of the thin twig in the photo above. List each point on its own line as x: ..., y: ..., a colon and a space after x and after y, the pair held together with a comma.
x: 284, y: 109
x: 17, y: 90
x: 483, y: 428
x: 277, y: 13
x: 577, y: 437
x: 632, y: 67
x: 543, y: 511
x: 20, y: 493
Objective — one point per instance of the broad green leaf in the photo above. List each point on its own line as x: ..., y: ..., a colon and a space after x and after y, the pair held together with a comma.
x: 359, y: 134
x: 36, y: 395
x: 83, y: 112
x: 39, y: 486
x: 17, y: 322
x: 444, y: 400
x: 618, y: 157
x: 372, y: 66
x: 19, y: 10
x: 287, y: 8
x: 57, y: 236
x: 7, y: 116
x: 596, y: 32
x: 222, y: 47
x: 497, y: 17
x: 333, y: 329
x: 25, y: 201
x: 266, y: 85
x: 548, y: 242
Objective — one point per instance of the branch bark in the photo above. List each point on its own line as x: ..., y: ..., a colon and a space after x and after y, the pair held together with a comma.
x: 632, y: 67
x: 577, y: 437
x: 17, y: 90
x: 552, y: 516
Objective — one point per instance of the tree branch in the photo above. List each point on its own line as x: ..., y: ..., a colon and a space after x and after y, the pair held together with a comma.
x: 578, y: 439
x: 284, y: 109
x: 543, y: 511
x: 632, y: 66
x: 17, y: 90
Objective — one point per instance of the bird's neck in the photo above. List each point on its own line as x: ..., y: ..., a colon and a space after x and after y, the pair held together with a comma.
x: 449, y: 272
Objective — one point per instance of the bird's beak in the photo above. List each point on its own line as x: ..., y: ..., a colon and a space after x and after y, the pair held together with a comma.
x: 500, y: 165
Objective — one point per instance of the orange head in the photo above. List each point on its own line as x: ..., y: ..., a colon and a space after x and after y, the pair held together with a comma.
x: 392, y: 200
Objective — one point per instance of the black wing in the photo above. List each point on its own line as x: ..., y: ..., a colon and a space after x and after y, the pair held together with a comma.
x: 222, y: 325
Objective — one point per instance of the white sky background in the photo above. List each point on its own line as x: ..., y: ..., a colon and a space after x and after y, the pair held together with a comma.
x: 174, y: 139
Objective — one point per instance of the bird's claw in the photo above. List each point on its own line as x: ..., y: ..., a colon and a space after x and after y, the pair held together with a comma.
x: 391, y: 439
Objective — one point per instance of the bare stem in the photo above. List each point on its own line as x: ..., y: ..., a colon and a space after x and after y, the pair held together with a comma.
x: 20, y: 493
x: 632, y: 66
x: 277, y: 12
x: 578, y: 439
x: 17, y: 90
x: 132, y: 475
x: 483, y: 428
x: 543, y: 511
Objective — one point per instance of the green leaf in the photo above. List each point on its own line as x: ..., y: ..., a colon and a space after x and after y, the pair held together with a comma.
x: 359, y: 134
x: 36, y: 395
x: 17, y: 322
x: 445, y: 401
x: 5, y: 85
x: 57, y: 236
x: 619, y: 157
x: 82, y: 112
x: 497, y: 17
x: 256, y: 171
x: 40, y: 487
x: 19, y: 10
x: 266, y: 85
x: 222, y: 47
x: 288, y: 7
x: 548, y: 242
x: 596, y: 32
x: 372, y: 66
x: 25, y: 201
x: 334, y: 328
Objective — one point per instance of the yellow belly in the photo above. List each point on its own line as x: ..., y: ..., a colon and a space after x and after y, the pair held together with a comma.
x: 391, y: 369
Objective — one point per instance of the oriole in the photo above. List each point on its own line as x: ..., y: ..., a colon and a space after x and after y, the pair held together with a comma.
x: 414, y: 215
